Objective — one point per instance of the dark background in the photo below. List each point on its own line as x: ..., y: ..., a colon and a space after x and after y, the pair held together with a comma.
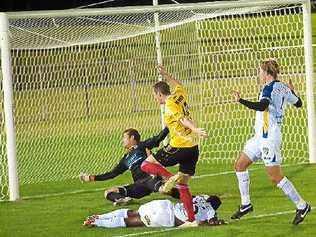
x: 19, y: 5
x: 22, y: 5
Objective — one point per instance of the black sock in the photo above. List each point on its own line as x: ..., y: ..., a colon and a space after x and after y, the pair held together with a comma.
x: 113, y: 196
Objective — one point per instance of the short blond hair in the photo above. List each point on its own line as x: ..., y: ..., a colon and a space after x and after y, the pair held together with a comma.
x: 270, y: 66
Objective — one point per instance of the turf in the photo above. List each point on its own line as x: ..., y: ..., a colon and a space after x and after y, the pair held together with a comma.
x: 63, y: 215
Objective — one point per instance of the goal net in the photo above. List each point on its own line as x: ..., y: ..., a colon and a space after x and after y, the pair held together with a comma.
x: 81, y: 77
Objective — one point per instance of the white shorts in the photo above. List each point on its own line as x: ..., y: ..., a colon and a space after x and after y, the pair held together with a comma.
x: 263, y: 149
x: 157, y: 213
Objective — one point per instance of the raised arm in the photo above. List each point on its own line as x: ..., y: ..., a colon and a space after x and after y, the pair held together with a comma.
x: 155, y: 140
x: 293, y: 98
x: 168, y: 76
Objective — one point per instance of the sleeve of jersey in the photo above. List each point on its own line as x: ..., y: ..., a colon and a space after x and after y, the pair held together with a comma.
x: 155, y: 141
x: 210, y: 214
x: 117, y: 170
x: 266, y: 93
x: 292, y: 98
x: 258, y: 106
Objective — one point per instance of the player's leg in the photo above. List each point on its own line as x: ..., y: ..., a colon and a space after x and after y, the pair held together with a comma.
x: 186, y: 196
x: 187, y: 159
x: 155, y: 183
x: 135, y: 190
x: 153, y: 166
x: 118, y: 195
x: 250, y: 154
x: 109, y: 220
x: 274, y: 171
x: 112, y: 194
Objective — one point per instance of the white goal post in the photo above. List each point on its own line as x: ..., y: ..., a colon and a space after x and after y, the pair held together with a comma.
x: 72, y: 81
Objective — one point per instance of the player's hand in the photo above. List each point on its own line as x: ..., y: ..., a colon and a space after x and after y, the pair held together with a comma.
x: 290, y: 85
x: 201, y: 132
x: 236, y: 94
x: 84, y: 177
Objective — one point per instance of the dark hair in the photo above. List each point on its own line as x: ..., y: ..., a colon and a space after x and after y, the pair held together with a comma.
x: 133, y: 132
x: 215, y: 201
x: 162, y: 87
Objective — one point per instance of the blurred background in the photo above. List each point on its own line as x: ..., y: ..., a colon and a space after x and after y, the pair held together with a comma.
x: 19, y: 5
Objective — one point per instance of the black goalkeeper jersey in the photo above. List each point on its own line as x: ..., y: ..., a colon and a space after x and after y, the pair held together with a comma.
x: 134, y: 158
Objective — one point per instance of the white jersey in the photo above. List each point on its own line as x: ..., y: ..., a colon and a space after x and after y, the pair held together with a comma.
x: 202, y: 209
x: 268, y: 123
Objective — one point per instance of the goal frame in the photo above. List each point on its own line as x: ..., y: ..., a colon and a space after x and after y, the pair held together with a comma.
x: 7, y: 67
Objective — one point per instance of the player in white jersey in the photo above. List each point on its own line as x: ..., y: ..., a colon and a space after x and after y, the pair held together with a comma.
x: 265, y: 145
x: 160, y: 213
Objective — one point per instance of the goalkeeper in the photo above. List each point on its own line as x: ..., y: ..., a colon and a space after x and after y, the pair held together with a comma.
x: 144, y: 184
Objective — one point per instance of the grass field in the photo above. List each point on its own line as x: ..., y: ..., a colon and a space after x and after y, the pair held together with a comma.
x: 57, y: 208
x: 62, y: 215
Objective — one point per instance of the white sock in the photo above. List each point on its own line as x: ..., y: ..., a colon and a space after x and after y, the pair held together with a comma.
x: 243, y: 183
x: 290, y: 191
x: 110, y: 223
x: 116, y: 213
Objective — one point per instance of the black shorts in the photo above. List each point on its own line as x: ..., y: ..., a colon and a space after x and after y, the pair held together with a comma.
x: 186, y: 157
x: 142, y: 187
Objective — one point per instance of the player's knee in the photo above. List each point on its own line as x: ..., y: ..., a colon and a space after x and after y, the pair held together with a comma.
x: 276, y: 179
x: 239, y: 166
x: 151, y: 159
x: 183, y: 178
x: 111, y: 190
x: 242, y: 163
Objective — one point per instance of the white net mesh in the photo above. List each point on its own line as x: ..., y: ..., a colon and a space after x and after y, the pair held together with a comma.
x: 79, y: 81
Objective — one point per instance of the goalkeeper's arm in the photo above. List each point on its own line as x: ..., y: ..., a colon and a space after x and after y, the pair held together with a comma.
x: 155, y: 140
x: 117, y: 170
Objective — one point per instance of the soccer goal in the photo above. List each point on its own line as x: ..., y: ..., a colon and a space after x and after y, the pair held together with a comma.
x: 73, y: 80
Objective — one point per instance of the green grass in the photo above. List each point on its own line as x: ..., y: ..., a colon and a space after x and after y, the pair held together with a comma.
x: 63, y: 215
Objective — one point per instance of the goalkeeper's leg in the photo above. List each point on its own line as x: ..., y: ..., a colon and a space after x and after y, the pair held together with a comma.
x: 114, y: 194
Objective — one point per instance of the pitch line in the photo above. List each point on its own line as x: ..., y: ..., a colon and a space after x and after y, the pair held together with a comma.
x: 177, y: 228
x: 100, y: 189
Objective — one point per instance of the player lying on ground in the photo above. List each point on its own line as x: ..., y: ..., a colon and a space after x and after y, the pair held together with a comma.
x: 266, y: 143
x: 144, y: 184
x: 183, y: 148
x: 160, y: 213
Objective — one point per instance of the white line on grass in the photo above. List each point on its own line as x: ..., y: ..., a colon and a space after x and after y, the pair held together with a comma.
x: 245, y: 218
x: 100, y: 189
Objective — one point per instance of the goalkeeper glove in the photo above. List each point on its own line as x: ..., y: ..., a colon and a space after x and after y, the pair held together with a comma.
x: 86, y: 178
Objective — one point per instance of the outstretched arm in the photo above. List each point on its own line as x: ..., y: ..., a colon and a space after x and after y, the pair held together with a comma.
x: 117, y: 170
x: 168, y: 76
x: 262, y: 105
x: 201, y: 132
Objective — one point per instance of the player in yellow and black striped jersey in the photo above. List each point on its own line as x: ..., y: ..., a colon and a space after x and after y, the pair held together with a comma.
x: 183, y: 148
